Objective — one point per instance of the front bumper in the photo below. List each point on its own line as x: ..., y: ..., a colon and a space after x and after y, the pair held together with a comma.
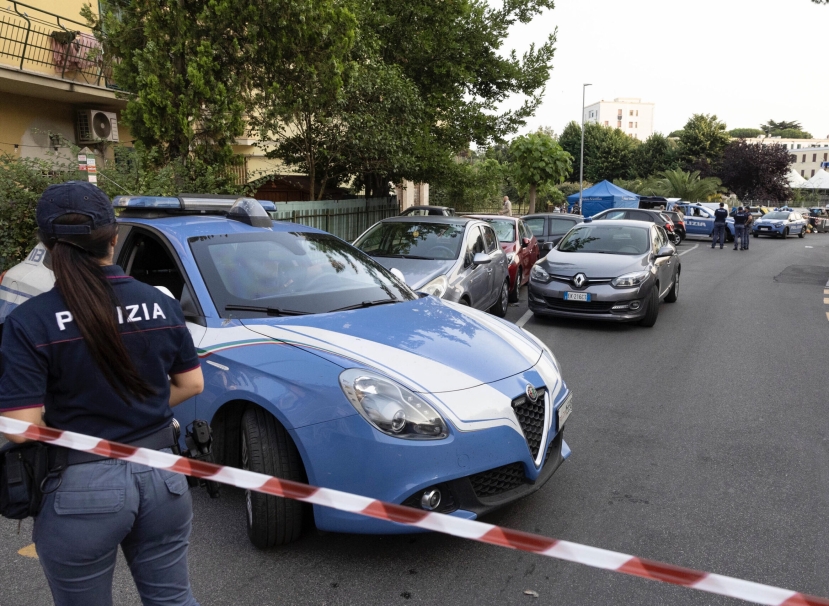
x: 476, y: 471
x: 548, y: 300
x: 773, y: 230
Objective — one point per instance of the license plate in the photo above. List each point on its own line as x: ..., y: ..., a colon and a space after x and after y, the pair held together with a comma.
x: 763, y: 227
x: 564, y: 412
x: 577, y: 296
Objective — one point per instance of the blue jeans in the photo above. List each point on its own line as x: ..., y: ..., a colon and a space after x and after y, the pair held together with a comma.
x: 746, y: 234
x: 718, y: 234
x: 101, y: 505
x: 739, y: 235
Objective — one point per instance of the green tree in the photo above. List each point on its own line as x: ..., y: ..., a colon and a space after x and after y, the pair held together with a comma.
x: 656, y: 154
x: 180, y: 62
x: 771, y: 126
x: 453, y: 53
x: 703, y: 136
x: 688, y: 186
x: 643, y: 186
x: 469, y: 184
x: 745, y: 133
x: 608, y: 152
x: 676, y: 134
x: 538, y: 160
x: 792, y: 133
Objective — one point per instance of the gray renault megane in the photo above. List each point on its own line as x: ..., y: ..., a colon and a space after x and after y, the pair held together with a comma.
x: 607, y: 270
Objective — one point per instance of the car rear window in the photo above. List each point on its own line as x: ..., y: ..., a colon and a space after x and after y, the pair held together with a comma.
x: 504, y: 229
x: 536, y: 225
x: 560, y: 227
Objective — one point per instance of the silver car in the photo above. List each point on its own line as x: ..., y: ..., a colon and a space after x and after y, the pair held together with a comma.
x: 618, y: 270
x: 455, y: 258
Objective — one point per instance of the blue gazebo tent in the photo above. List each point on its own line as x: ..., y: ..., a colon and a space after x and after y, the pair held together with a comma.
x: 602, y: 196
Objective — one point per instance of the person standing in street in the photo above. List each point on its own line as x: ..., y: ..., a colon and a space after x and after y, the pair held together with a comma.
x: 720, y: 215
x: 506, y: 208
x: 75, y: 361
x: 747, y: 230
x: 740, y: 224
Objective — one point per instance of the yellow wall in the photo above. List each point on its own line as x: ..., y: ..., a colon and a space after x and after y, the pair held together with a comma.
x: 27, y: 123
x: 38, y: 52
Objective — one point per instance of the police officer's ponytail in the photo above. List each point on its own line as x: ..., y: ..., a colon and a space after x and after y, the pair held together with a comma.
x: 92, y: 302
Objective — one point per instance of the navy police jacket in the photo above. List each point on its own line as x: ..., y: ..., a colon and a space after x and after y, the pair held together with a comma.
x: 47, y: 363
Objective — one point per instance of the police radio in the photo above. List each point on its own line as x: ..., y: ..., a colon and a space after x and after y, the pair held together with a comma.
x: 198, y: 438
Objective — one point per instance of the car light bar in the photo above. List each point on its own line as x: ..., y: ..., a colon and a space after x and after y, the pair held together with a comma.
x: 186, y: 202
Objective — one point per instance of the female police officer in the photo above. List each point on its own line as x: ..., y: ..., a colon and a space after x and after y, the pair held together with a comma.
x: 93, y: 355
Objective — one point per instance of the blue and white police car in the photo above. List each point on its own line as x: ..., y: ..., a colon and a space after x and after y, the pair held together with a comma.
x: 322, y: 366
x: 780, y: 223
x: 699, y: 220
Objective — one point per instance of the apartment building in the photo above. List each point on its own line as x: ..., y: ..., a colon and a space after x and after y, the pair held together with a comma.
x: 630, y: 115
x: 810, y: 155
x: 55, y: 83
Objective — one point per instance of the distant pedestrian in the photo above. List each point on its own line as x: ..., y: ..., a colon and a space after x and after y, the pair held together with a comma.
x: 740, y: 228
x: 747, y: 231
x: 506, y: 208
x: 720, y: 215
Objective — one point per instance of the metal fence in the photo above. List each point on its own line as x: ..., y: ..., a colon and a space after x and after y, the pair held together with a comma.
x: 36, y: 39
x: 346, y: 219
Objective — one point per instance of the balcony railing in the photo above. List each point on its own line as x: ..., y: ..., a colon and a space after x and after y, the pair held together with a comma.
x: 35, y: 40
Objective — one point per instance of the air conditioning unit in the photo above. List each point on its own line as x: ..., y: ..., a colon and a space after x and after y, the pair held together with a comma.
x: 93, y: 126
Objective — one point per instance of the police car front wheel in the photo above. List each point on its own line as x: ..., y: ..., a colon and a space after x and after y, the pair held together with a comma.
x: 267, y: 448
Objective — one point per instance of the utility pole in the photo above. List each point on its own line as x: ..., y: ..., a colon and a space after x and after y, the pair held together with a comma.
x: 581, y: 163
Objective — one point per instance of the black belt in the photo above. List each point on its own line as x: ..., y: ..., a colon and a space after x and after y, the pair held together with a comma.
x: 63, y: 457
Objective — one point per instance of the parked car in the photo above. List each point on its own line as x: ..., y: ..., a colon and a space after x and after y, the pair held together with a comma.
x: 520, y: 246
x: 657, y: 217
x: 616, y: 270
x: 453, y: 258
x: 549, y: 228
x: 699, y: 220
x: 428, y: 211
x: 321, y: 366
x: 678, y: 221
x: 779, y: 224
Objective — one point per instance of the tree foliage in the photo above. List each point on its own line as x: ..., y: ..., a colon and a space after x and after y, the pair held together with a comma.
x: 745, y: 133
x: 756, y: 172
x: 608, y: 152
x: 469, y: 185
x: 688, y: 186
x: 538, y: 160
x: 785, y: 130
x: 703, y: 136
x: 180, y: 61
x: 656, y: 154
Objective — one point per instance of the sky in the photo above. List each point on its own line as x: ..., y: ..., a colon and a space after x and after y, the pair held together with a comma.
x: 747, y: 61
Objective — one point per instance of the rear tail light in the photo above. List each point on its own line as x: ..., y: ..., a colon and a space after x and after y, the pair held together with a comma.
x: 2, y: 275
x: 669, y: 227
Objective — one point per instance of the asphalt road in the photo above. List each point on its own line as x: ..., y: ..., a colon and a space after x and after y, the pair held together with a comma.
x: 702, y: 442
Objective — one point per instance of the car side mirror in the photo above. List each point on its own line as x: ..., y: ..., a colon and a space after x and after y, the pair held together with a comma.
x: 666, y: 251
x: 525, y: 242
x: 481, y: 259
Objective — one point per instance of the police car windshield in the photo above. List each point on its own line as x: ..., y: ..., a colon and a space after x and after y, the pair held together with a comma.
x: 411, y: 240
x: 250, y: 274
x: 606, y: 239
x: 776, y: 215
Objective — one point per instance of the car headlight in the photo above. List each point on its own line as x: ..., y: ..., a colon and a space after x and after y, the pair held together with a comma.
x: 390, y: 407
x: 436, y: 287
x: 539, y: 274
x: 778, y: 223
x: 630, y: 280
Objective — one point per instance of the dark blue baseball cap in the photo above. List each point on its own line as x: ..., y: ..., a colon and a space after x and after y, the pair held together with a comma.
x: 73, y: 197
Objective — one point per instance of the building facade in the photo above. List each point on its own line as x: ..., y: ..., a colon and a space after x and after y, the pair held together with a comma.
x: 55, y: 83
x: 630, y: 115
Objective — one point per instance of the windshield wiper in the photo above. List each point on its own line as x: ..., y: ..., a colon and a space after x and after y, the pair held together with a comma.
x: 403, y: 257
x: 367, y: 304
x: 271, y: 311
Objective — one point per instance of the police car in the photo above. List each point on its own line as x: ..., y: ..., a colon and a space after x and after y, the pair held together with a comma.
x: 321, y: 366
x: 699, y: 220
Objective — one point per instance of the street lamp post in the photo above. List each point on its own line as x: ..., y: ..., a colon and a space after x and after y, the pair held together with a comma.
x: 581, y: 163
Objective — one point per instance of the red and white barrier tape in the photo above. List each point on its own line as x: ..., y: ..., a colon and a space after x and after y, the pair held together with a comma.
x: 467, y: 529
